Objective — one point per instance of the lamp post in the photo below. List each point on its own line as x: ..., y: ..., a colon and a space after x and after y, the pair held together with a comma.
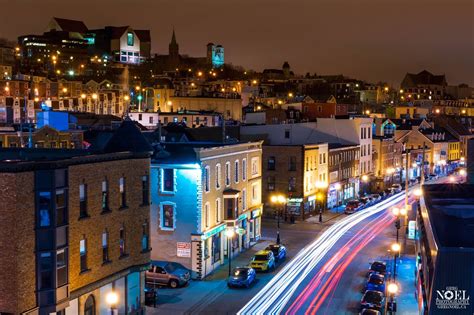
x: 396, y: 212
x: 392, y: 289
x: 112, y: 299
x: 365, y: 179
x: 230, y: 235
x: 319, y: 199
x: 396, y: 250
x: 279, y: 201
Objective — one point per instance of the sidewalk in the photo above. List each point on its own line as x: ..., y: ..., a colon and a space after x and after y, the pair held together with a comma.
x: 406, y: 301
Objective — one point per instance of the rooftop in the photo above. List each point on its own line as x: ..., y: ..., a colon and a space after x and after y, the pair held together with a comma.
x: 451, y: 213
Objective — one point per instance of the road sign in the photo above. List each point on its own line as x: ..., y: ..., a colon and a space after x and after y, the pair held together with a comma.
x: 183, y: 249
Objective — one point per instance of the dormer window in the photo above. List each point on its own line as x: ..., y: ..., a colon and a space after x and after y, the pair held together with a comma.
x: 130, y: 39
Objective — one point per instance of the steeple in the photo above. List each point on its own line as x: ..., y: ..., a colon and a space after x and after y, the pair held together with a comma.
x: 173, y: 47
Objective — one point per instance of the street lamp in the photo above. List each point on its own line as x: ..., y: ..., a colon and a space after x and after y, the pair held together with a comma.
x: 319, y: 198
x: 418, y: 193
x: 230, y: 235
x: 112, y: 299
x: 396, y: 212
x: 279, y: 201
x: 396, y: 250
x: 462, y: 172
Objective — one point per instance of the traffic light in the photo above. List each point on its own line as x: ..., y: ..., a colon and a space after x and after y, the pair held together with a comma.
x: 397, y: 224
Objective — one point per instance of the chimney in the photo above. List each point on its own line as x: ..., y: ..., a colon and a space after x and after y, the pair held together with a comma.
x: 470, y: 162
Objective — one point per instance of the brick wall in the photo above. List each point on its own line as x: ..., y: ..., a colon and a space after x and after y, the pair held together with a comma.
x: 92, y: 228
x: 17, y: 242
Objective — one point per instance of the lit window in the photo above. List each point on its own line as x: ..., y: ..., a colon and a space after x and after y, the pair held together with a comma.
x: 167, y: 183
x: 83, y: 201
x: 130, y: 39
x: 105, y: 247
x: 123, y: 196
x: 227, y: 173
x: 167, y: 216
x: 105, y: 196
x: 83, y: 254
x: 255, y: 166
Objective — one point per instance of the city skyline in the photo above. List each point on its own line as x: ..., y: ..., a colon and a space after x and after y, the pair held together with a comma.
x: 381, y: 48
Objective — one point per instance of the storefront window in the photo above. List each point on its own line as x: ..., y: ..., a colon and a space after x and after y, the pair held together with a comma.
x: 216, y: 247
x: 133, y: 293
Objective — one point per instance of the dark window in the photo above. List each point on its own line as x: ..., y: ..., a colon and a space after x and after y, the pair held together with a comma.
x: 271, y: 183
x: 287, y: 134
x: 83, y: 254
x: 292, y: 184
x: 61, y: 268
x: 145, y: 190
x: 123, y: 194
x: 122, y: 242
x: 271, y: 163
x: 216, y: 248
x: 105, y: 247
x: 105, y: 196
x: 292, y: 163
x: 46, y: 266
x: 61, y: 214
x: 236, y: 171
x: 44, y: 209
x: 168, y: 180
x: 145, y: 238
x: 83, y: 201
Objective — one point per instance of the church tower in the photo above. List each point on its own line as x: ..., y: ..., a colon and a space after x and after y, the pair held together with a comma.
x: 173, y: 51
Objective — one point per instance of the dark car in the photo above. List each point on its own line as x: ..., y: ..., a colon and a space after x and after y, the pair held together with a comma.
x: 372, y: 300
x: 364, y: 201
x: 368, y: 311
x: 352, y: 206
x: 388, y: 192
x: 167, y: 273
x: 378, y: 267
x: 278, y: 250
x: 241, y: 277
x: 376, y: 282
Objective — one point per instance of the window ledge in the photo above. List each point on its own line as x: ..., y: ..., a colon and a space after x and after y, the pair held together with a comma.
x: 123, y: 256
x: 123, y: 207
x: 107, y: 262
x: 105, y: 211
x: 83, y: 217
x: 85, y: 271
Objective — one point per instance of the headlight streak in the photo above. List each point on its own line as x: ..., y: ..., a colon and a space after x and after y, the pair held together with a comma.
x: 275, y: 295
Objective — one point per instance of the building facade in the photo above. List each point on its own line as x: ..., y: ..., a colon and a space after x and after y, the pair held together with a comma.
x: 199, y: 191
x: 343, y: 170
x: 83, y: 233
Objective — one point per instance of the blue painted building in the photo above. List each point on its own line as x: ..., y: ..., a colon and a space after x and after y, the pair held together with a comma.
x: 199, y: 190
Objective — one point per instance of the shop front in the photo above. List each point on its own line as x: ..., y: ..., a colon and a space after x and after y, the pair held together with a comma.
x: 293, y: 207
x: 212, y: 249
x: 128, y: 289
x: 254, y: 226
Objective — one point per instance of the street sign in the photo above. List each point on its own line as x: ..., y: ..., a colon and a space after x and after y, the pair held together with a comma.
x: 240, y: 231
x: 183, y: 249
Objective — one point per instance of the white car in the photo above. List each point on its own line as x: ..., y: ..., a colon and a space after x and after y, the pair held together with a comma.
x: 396, y: 188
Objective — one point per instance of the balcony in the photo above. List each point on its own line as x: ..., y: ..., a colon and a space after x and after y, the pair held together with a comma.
x: 231, y: 204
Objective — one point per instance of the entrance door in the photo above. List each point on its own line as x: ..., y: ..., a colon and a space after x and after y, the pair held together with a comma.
x: 89, y: 307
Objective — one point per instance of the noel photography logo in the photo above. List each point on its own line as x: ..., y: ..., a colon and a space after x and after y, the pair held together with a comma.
x: 452, y: 298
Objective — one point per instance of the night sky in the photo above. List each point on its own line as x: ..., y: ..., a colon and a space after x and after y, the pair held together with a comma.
x: 367, y: 39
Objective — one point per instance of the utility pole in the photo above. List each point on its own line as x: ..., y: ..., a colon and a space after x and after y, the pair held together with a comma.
x: 407, y: 180
x: 422, y: 181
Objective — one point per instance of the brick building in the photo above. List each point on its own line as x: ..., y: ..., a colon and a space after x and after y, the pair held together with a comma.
x: 299, y: 172
x: 75, y: 227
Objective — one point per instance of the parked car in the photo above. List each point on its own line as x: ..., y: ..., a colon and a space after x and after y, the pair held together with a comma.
x: 241, y: 277
x: 372, y: 300
x: 352, y: 206
x: 388, y: 192
x: 378, y: 267
x: 263, y: 260
x: 167, y: 273
x: 397, y: 188
x: 368, y: 311
x: 375, y: 197
x: 278, y: 250
x: 365, y: 201
x: 375, y: 282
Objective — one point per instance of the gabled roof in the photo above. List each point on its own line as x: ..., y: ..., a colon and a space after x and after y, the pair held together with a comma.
x: 71, y: 25
x: 127, y: 138
x: 423, y: 78
x: 117, y: 31
x: 143, y: 35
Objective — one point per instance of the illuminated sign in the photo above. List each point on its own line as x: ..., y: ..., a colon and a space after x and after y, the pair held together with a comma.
x: 256, y: 213
x: 213, y: 231
x: 411, y: 229
x: 242, y: 216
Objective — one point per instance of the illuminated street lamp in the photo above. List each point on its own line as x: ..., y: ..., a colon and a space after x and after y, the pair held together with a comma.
x: 319, y: 199
x: 279, y: 201
x: 229, y: 232
x: 83, y: 96
x: 367, y: 112
x: 418, y: 192
x: 94, y: 96
x: 462, y: 172
x: 126, y: 97
x: 290, y: 94
x: 452, y: 179
x: 392, y: 288
x: 112, y: 299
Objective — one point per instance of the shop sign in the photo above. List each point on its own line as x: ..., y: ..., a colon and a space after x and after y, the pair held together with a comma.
x: 240, y: 231
x: 243, y: 216
x: 256, y: 213
x: 312, y: 198
x: 183, y: 249
x: 411, y: 229
x: 295, y: 200
x: 213, y: 231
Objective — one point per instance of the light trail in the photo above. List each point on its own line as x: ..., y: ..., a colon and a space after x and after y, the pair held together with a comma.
x: 272, y: 298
